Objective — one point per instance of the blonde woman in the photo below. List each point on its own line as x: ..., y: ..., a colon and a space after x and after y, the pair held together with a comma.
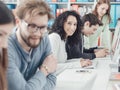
x: 102, y: 11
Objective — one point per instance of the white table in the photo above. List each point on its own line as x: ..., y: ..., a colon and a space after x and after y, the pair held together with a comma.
x: 69, y: 79
x: 98, y: 79
x: 103, y: 73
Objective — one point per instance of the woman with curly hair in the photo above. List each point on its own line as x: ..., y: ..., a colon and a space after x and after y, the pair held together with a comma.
x: 7, y: 23
x: 66, y: 28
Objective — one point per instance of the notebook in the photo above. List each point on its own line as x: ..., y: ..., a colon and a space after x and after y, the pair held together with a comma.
x: 74, y: 63
x: 93, y: 66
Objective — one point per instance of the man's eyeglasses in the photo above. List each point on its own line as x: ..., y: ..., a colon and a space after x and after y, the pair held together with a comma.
x: 34, y: 28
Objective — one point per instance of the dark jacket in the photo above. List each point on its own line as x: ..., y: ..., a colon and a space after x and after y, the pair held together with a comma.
x: 78, y: 51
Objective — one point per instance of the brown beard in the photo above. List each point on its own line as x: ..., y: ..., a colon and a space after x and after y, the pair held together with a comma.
x: 3, y: 68
x: 27, y: 40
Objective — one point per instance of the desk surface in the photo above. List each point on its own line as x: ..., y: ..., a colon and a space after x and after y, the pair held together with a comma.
x: 97, y: 80
x: 103, y: 73
x: 76, y: 79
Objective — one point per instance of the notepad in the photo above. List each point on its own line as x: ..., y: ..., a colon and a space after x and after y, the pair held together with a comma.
x: 93, y: 66
x: 76, y: 64
x: 72, y: 65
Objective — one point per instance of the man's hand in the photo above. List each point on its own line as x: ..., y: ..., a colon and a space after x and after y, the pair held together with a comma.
x: 101, y: 53
x: 49, y: 65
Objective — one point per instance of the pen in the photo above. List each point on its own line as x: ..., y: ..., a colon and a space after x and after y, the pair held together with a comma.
x: 83, y: 71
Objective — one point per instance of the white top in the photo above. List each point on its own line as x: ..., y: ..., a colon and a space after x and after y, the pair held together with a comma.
x: 103, y: 32
x: 58, y: 47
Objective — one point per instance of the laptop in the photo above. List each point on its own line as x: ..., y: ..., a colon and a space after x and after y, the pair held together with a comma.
x: 115, y: 57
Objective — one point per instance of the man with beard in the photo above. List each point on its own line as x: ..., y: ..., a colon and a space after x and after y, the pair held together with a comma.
x: 31, y: 63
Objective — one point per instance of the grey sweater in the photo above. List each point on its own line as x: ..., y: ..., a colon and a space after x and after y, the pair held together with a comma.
x: 23, y: 73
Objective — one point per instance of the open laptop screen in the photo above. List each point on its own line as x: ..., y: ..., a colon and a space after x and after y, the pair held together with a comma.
x: 115, y: 52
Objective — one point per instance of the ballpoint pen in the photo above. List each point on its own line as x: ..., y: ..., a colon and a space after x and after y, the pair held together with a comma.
x: 83, y: 71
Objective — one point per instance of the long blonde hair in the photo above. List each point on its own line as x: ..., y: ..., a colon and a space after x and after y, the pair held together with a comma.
x: 103, y: 2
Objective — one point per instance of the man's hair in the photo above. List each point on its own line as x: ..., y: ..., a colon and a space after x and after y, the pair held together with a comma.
x: 6, y: 15
x: 92, y: 19
x: 33, y: 7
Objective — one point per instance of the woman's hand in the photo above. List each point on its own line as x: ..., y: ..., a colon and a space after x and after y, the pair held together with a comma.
x: 85, y: 62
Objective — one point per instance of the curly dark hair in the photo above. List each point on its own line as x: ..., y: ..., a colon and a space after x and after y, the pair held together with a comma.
x: 58, y: 27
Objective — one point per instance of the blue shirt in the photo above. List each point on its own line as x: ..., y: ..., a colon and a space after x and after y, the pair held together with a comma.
x: 23, y: 73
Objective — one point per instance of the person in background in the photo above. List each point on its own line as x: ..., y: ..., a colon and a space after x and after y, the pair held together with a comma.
x: 67, y: 26
x: 90, y: 24
x: 102, y: 11
x: 31, y: 65
x: 7, y: 23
